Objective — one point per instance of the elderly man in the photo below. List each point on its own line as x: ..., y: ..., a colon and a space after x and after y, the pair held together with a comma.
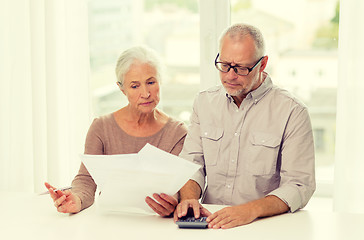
x: 252, y: 139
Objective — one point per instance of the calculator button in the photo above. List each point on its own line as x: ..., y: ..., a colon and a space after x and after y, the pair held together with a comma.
x: 191, y: 222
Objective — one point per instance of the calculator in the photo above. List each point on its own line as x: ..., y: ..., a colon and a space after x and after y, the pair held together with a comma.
x: 192, y: 222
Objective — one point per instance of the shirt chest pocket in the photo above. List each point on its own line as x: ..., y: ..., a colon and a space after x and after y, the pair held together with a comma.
x: 211, y: 141
x: 264, y: 153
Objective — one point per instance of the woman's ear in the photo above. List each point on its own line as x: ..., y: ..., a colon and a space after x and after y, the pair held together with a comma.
x: 120, y: 87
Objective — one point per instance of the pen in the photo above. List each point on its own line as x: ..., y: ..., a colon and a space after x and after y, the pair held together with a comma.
x: 55, y: 190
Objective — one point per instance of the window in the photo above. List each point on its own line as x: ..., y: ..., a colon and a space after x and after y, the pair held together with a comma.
x: 319, y: 134
x: 301, y: 38
x: 169, y: 27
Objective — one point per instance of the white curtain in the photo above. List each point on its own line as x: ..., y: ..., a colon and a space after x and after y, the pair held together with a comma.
x: 44, y: 92
x: 349, y: 161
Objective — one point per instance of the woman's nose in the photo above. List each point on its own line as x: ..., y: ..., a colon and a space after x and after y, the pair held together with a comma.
x: 145, y: 92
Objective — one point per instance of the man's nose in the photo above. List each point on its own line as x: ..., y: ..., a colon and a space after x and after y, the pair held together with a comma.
x: 231, y: 73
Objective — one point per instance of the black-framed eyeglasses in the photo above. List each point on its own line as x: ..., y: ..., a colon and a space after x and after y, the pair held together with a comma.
x: 242, y: 71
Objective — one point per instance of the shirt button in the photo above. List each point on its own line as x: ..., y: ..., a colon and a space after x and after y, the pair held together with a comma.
x: 232, y: 160
x: 205, y: 133
x: 237, y: 110
x: 228, y: 186
x: 236, y: 134
x: 263, y: 141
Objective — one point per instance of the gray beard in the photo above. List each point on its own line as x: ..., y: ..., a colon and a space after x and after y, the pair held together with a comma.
x: 236, y: 93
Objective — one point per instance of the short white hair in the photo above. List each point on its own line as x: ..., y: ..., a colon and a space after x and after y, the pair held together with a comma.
x: 141, y: 54
x: 241, y: 30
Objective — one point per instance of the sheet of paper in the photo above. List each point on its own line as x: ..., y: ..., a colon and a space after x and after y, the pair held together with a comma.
x: 126, y: 179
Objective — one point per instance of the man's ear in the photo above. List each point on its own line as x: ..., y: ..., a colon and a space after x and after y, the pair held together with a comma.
x: 263, y: 64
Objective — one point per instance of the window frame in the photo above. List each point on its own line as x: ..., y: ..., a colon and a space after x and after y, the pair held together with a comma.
x: 210, y: 32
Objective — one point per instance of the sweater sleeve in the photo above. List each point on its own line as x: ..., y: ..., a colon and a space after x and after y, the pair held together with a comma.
x: 83, y: 184
x: 179, y: 139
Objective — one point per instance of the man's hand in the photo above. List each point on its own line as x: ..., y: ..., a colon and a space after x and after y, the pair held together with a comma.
x: 165, y: 204
x: 230, y: 217
x: 198, y: 209
x: 246, y: 213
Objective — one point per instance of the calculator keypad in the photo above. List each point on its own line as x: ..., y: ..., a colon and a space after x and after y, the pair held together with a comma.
x: 191, y: 222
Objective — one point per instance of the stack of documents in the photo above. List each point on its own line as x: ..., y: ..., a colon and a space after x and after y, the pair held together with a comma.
x: 126, y: 179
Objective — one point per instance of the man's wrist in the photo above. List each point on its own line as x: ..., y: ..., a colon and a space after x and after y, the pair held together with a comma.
x: 268, y: 206
x: 177, y: 197
x: 188, y: 198
x: 191, y: 190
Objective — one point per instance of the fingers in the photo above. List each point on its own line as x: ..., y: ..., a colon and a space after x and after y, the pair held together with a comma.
x: 183, y: 207
x: 64, y: 201
x: 66, y: 192
x: 58, y: 196
x: 164, y: 206
x: 170, y: 199
x: 48, y: 186
x: 165, y: 200
x: 65, y: 206
x: 59, y: 201
x: 55, y: 195
x: 217, y: 219
x: 175, y: 215
x: 156, y: 207
x: 231, y: 224
x: 196, y: 210
x: 50, y: 189
x: 205, y: 212
x: 62, y: 209
x: 68, y: 204
x: 229, y: 217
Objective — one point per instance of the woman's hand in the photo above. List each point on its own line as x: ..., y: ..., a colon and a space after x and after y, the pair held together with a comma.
x: 64, y: 201
x: 165, y: 204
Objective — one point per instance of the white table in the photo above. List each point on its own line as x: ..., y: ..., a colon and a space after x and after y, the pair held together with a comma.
x: 27, y: 216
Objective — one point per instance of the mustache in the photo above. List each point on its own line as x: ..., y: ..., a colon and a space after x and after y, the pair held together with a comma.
x: 232, y: 82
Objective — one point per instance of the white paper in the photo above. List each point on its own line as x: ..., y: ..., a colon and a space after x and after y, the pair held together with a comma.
x: 126, y: 179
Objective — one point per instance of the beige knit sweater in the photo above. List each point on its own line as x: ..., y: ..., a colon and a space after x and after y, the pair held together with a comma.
x: 106, y: 137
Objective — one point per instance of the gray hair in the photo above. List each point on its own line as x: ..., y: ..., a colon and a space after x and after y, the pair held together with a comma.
x: 140, y: 54
x: 241, y: 30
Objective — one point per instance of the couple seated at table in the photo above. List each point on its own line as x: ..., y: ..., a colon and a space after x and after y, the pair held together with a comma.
x: 253, y: 140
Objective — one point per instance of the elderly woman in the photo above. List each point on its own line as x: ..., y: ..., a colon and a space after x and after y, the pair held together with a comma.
x: 127, y: 130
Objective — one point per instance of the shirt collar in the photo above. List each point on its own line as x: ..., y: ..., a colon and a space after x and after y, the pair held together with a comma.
x: 258, y: 93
